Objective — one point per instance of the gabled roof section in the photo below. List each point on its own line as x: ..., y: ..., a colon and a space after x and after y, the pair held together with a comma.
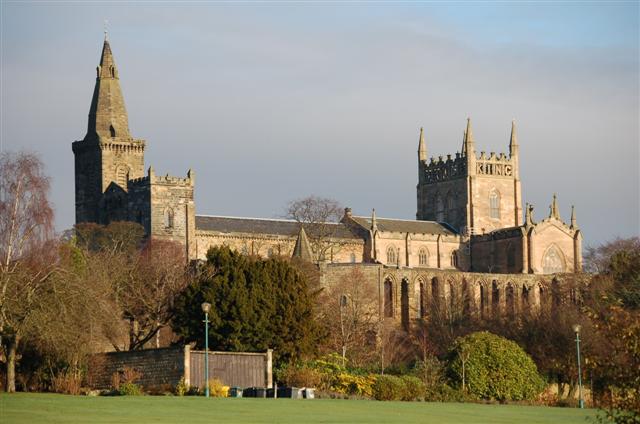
x: 281, y: 227
x: 405, y: 226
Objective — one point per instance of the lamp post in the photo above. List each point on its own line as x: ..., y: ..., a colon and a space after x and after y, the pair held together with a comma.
x: 576, y: 329
x: 206, y: 307
x: 343, y: 304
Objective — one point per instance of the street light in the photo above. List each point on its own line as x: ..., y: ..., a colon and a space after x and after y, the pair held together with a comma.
x: 343, y: 304
x: 576, y: 329
x: 206, y: 307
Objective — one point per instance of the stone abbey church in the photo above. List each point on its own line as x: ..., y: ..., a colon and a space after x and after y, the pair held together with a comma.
x: 469, y: 234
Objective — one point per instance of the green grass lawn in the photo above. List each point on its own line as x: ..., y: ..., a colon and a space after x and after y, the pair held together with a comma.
x: 50, y: 408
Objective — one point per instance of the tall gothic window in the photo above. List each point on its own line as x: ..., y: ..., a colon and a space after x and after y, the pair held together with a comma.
x: 404, y: 304
x: 552, y: 262
x: 495, y: 298
x: 423, y: 257
x: 494, y: 204
x: 439, y: 209
x: 422, y: 299
x: 391, y: 255
x: 435, y: 294
x: 168, y: 218
x: 388, y: 298
x: 454, y: 259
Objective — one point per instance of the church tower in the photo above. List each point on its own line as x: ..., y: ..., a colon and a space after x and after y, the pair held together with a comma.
x: 473, y: 194
x: 108, y: 156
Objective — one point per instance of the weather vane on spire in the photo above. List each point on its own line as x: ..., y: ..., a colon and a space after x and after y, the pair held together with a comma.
x: 106, y: 23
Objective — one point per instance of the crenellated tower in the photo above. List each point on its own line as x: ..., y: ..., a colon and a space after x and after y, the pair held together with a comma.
x: 108, y: 156
x: 472, y: 193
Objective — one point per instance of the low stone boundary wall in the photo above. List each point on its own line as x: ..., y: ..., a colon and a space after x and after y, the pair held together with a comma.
x: 164, y: 367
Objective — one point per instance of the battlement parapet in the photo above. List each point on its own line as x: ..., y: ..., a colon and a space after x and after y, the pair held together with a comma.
x: 151, y: 178
x: 497, y: 165
x: 444, y: 169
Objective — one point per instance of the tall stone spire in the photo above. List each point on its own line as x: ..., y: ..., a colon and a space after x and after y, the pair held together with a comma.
x: 464, y: 142
x: 513, y: 143
x: 422, y: 147
x: 469, y: 142
x: 107, y: 114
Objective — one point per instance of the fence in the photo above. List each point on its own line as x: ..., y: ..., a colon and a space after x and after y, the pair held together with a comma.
x: 166, y: 366
x: 233, y: 369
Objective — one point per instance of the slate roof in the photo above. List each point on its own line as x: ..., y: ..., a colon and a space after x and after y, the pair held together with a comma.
x: 282, y: 227
x: 406, y: 226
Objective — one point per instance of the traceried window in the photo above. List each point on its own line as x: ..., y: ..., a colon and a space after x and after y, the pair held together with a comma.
x: 439, y: 209
x: 552, y: 262
x: 423, y: 257
x: 168, y: 218
x: 392, y: 258
x: 494, y: 204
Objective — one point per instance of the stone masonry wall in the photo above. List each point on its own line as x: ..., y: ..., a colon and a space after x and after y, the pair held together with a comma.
x: 165, y: 366
x: 501, y: 292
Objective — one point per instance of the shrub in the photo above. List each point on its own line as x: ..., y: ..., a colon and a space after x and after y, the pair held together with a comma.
x: 66, y: 382
x: 414, y: 388
x: 130, y: 375
x: 350, y: 384
x: 388, y: 387
x: 217, y: 388
x: 302, y: 376
x: 445, y: 393
x: 129, y: 389
x: 182, y: 388
x: 493, y: 368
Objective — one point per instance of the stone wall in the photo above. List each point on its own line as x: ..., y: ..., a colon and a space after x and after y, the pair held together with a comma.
x: 452, y: 194
x: 482, y: 294
x: 481, y: 187
x: 164, y: 366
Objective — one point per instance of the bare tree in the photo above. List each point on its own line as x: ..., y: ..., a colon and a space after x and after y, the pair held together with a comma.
x: 159, y: 275
x: 26, y: 228
x: 350, y: 312
x: 319, y: 217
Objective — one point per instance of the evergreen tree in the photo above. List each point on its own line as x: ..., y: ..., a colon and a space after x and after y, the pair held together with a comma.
x: 256, y: 304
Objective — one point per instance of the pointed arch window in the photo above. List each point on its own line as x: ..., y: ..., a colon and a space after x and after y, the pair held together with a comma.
x: 422, y: 298
x: 454, y: 259
x: 553, y: 261
x: 112, y: 131
x: 392, y: 258
x: 423, y: 257
x: 168, y: 218
x: 388, y: 298
x: 494, y: 204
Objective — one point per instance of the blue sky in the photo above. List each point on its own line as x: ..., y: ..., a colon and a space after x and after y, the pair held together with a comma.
x: 268, y: 102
